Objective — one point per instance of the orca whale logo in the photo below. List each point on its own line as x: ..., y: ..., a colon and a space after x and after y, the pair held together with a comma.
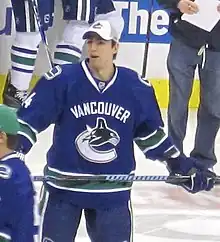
x: 88, y: 141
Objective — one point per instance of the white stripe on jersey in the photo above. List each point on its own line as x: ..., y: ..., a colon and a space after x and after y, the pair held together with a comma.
x: 79, y: 9
x: 27, y: 16
x: 23, y: 122
x: 87, y: 10
x: 5, y: 236
x: 157, y: 144
x: 42, y: 216
x: 25, y: 55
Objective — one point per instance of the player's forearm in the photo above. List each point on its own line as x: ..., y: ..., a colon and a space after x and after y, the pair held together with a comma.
x: 168, y: 3
x: 27, y: 137
x: 157, y: 146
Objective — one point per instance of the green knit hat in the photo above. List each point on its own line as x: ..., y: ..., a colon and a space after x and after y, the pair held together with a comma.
x: 8, y: 120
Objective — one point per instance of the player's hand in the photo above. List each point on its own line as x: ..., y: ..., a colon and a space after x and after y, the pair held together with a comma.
x: 188, y: 7
x: 201, y: 179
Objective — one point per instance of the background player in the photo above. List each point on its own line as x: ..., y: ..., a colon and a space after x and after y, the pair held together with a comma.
x: 193, y: 47
x: 77, y: 13
x: 98, y: 110
x: 16, y: 190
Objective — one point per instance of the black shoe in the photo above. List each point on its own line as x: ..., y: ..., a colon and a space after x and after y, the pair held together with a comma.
x: 13, y: 97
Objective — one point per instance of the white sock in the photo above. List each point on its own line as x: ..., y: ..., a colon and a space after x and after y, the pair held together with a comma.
x: 23, y: 56
x: 70, y: 48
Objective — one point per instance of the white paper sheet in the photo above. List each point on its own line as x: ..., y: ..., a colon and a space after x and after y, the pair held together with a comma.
x: 207, y: 17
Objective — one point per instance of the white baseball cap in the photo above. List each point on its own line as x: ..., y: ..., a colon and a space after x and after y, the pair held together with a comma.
x: 104, y: 29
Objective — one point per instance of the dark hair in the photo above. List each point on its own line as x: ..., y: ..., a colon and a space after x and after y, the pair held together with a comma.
x: 12, y: 141
x: 113, y: 44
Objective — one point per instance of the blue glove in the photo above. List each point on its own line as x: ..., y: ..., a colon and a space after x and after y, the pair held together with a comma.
x: 200, y: 177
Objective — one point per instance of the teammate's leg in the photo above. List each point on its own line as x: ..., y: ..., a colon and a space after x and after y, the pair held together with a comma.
x: 25, y: 48
x: 79, y: 14
x: 112, y: 224
x: 59, y: 219
x: 69, y: 49
x: 106, y: 11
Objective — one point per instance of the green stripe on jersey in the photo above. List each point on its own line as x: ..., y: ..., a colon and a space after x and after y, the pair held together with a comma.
x: 65, y: 183
x: 28, y: 133
x: 151, y: 141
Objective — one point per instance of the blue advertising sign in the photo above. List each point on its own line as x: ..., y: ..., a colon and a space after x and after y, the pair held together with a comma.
x: 136, y: 16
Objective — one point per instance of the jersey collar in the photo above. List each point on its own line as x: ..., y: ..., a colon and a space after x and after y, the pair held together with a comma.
x: 12, y: 155
x: 93, y: 82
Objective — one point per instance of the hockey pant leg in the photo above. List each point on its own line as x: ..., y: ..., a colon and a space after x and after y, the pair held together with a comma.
x: 59, y: 218
x: 112, y: 224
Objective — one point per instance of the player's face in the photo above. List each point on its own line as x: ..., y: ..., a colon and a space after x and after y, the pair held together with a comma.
x: 3, y: 139
x: 101, y: 52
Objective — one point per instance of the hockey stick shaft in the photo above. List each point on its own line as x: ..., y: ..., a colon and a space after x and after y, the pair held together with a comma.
x: 147, y: 42
x: 42, y: 32
x: 116, y: 178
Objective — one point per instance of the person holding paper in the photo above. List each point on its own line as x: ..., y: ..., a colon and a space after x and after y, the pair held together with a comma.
x: 190, y: 47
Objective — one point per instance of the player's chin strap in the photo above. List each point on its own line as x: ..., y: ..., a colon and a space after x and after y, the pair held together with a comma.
x: 172, y: 179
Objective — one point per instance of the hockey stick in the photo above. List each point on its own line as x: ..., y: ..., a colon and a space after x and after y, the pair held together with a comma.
x: 146, y: 48
x: 42, y: 32
x: 116, y: 178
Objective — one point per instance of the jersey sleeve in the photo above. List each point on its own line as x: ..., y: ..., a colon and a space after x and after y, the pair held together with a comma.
x: 150, y: 134
x: 42, y: 107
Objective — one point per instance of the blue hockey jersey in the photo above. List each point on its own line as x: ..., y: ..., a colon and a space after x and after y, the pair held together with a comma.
x: 95, y: 125
x: 16, y: 200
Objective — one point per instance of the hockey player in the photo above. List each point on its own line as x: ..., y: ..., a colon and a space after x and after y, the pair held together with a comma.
x: 16, y: 190
x: 77, y: 14
x: 98, y: 110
